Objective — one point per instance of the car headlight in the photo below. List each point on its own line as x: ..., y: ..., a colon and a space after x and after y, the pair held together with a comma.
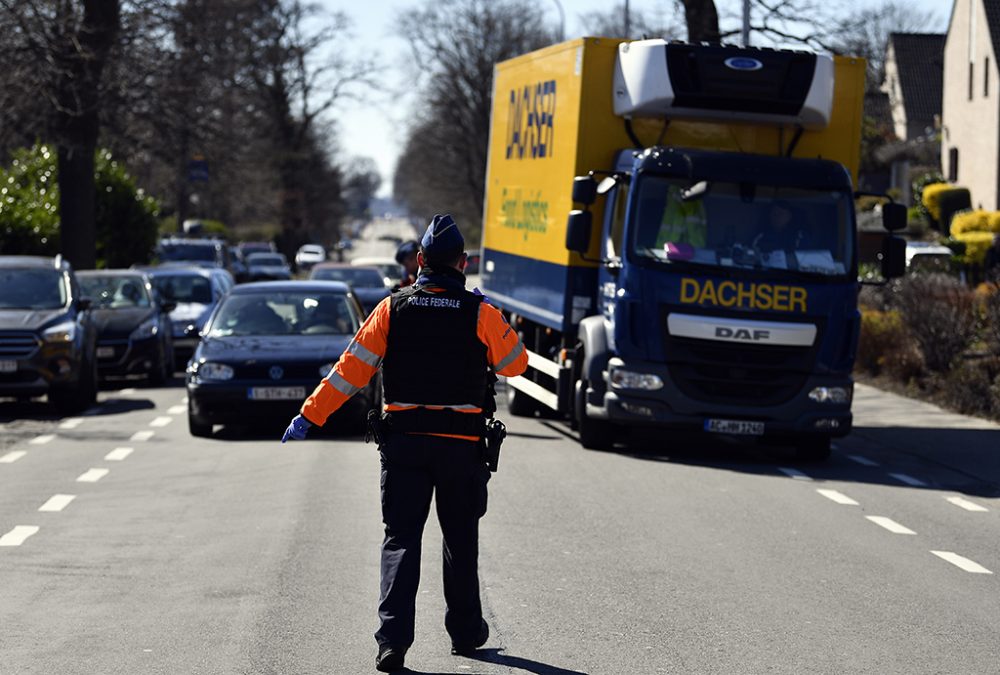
x: 215, y: 371
x: 146, y: 329
x: 627, y: 379
x: 325, y: 369
x: 831, y: 395
x: 63, y: 332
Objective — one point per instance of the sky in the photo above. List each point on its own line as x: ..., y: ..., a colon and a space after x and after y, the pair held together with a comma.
x: 374, y: 124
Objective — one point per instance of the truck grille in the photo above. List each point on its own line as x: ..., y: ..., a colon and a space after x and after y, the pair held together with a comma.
x: 750, y: 375
x: 18, y: 345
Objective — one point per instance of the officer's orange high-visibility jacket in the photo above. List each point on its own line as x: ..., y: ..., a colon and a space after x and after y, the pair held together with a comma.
x: 361, y: 360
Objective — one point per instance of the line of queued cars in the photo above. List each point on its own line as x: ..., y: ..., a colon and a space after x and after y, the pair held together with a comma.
x: 252, y: 351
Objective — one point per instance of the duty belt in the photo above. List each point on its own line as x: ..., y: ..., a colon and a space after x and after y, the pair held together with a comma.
x: 426, y: 421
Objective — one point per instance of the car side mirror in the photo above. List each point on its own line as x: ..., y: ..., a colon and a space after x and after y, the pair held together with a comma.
x: 893, y: 217
x: 83, y: 304
x: 578, y: 228
x: 893, y: 257
x: 584, y: 190
x: 168, y: 306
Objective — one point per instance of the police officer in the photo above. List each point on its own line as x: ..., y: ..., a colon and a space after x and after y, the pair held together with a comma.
x: 406, y: 256
x: 437, y: 345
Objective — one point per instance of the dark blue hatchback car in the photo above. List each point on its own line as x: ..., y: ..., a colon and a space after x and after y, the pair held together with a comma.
x: 266, y: 347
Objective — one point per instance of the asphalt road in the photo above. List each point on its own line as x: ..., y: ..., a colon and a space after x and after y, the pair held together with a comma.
x: 127, y: 546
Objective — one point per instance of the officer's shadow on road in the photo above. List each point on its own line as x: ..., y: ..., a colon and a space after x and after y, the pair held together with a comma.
x: 498, y: 657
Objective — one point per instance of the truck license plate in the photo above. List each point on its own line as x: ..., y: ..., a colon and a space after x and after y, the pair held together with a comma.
x: 276, y: 393
x: 7, y: 366
x: 739, y: 427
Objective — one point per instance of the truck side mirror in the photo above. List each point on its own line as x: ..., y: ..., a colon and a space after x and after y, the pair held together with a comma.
x: 893, y: 217
x: 584, y: 190
x: 578, y: 231
x: 893, y: 256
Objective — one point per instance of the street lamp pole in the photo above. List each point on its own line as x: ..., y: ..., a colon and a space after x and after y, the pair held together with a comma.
x: 628, y: 24
x: 746, y: 24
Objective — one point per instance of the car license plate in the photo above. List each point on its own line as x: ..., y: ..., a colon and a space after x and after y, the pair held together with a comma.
x: 739, y: 427
x: 276, y: 393
x: 105, y: 352
x: 7, y: 366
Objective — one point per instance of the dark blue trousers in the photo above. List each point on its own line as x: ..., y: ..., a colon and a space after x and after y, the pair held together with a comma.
x: 415, y: 467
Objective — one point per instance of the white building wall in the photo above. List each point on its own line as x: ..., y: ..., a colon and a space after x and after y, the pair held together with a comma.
x: 971, y: 126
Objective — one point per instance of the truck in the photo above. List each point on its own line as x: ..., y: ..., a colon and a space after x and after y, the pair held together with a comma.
x: 671, y: 230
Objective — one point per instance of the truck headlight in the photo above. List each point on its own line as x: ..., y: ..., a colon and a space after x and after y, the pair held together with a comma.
x: 63, y: 332
x: 831, y: 395
x: 146, y: 329
x: 215, y: 371
x: 627, y: 379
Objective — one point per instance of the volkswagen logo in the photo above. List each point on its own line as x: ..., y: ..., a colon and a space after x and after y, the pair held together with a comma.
x: 743, y: 63
x: 276, y: 372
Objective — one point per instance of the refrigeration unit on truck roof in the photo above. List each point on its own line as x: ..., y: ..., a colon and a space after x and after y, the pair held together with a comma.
x: 654, y: 78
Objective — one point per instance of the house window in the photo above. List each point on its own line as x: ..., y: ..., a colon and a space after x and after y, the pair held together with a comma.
x: 986, y: 77
x: 971, y: 67
x: 952, y: 165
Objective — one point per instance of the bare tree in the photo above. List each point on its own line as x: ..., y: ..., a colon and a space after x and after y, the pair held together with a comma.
x: 666, y: 22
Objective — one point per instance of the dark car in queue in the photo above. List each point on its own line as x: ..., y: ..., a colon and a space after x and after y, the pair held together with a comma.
x: 266, y: 347
x: 47, y: 336
x: 195, y: 293
x: 367, y: 282
x: 134, y: 334
x: 268, y: 267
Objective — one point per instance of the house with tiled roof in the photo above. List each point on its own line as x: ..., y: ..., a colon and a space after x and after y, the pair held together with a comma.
x: 970, y: 130
x: 914, y: 67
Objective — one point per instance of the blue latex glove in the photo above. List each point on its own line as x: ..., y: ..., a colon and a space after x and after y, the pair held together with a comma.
x: 297, y: 429
x: 476, y: 291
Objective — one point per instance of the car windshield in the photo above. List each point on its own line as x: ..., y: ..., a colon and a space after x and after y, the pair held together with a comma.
x: 275, y: 259
x: 744, y: 226
x: 284, y: 313
x: 32, y: 289
x: 115, y: 291
x: 186, y: 251
x: 184, y: 288
x: 361, y: 277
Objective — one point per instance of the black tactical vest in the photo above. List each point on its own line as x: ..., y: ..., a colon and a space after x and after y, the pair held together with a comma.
x: 434, y: 355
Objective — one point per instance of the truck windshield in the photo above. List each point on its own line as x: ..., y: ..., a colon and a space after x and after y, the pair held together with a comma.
x: 743, y: 225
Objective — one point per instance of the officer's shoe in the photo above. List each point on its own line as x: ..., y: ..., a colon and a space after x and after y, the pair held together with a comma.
x: 466, y: 649
x: 390, y: 658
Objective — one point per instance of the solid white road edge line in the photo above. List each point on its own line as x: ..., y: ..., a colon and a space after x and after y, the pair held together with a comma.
x: 12, y: 456
x: 41, y: 440
x: 909, y: 480
x: 17, y: 536
x: 960, y: 562
x: 118, y: 454
x: 142, y: 435
x: 93, y: 475
x: 890, y: 524
x: 57, y: 503
x: 793, y: 473
x: 967, y: 505
x: 838, y: 497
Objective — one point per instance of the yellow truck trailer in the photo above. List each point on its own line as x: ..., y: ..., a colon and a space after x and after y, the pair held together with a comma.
x: 709, y: 280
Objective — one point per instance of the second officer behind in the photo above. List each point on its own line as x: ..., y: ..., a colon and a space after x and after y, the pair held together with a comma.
x: 437, y: 344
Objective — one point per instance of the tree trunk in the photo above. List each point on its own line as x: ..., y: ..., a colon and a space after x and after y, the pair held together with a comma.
x: 77, y: 201
x: 702, y: 20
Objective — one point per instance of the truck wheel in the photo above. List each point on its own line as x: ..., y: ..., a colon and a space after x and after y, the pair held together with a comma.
x: 520, y: 404
x: 813, y: 448
x: 197, y: 427
x: 594, y: 434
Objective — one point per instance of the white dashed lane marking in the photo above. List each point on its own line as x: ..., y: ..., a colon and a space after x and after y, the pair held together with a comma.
x: 964, y: 503
x: 12, y: 456
x: 92, y: 475
x: 838, y: 497
x: 42, y: 440
x: 177, y: 410
x: 909, y: 480
x: 161, y: 421
x: 962, y: 563
x: 57, y: 502
x: 793, y: 473
x: 142, y: 435
x: 890, y: 524
x: 862, y: 460
x: 71, y: 423
x: 118, y: 454
x: 17, y: 536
